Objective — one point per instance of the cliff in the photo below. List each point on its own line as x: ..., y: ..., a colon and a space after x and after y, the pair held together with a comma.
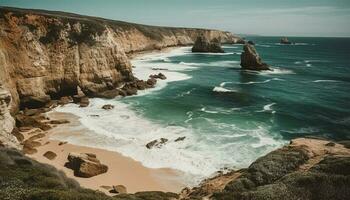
x: 48, y: 54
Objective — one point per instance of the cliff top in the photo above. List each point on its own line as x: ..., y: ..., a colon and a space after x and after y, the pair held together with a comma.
x: 77, y: 17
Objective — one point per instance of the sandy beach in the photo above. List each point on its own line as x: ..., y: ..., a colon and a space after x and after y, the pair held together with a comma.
x: 122, y: 170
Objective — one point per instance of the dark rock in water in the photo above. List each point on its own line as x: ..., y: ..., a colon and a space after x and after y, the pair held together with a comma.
x: 156, y: 143
x: 203, y: 44
x: 251, y: 42
x: 85, y: 165
x: 159, y: 76
x: 119, y: 189
x: 285, y: 40
x: 179, y: 139
x: 84, y: 102
x: 50, y: 155
x: 107, y: 107
x: 151, y: 82
x: 251, y: 60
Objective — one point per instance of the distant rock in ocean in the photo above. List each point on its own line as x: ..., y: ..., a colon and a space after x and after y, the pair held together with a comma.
x: 251, y: 60
x: 203, y: 44
x: 285, y: 40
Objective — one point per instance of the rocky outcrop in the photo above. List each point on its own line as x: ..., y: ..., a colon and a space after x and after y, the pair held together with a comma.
x: 85, y: 165
x: 250, y: 59
x: 7, y: 123
x: 107, y: 107
x: 204, y: 44
x: 285, y: 40
x: 46, y: 55
x: 305, y: 169
x: 156, y: 143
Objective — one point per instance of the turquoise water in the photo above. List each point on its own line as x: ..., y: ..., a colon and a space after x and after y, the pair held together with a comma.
x: 229, y: 117
x: 309, y: 95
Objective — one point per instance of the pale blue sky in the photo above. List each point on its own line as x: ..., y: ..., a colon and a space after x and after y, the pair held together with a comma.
x: 263, y: 17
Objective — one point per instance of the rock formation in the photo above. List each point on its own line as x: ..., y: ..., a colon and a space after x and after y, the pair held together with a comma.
x: 7, y: 123
x: 46, y: 54
x: 285, y: 40
x: 306, y: 169
x: 156, y: 143
x: 85, y: 165
x: 159, y: 76
x: 203, y: 44
x: 251, y: 60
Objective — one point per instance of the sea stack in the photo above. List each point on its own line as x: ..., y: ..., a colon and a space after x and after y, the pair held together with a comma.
x: 250, y: 59
x: 204, y: 45
x: 285, y: 40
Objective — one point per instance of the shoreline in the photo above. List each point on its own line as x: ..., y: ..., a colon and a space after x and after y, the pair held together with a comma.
x: 122, y: 170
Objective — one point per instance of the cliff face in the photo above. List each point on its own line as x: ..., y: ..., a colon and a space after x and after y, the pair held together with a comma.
x: 46, y: 54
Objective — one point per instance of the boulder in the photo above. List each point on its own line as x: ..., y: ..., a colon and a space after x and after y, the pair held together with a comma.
x: 203, y: 44
x: 119, y: 189
x: 158, y: 76
x: 251, y: 60
x: 156, y: 143
x: 179, y: 139
x: 62, y: 143
x: 29, y: 146
x: 50, y: 155
x: 65, y: 100
x: 84, y: 102
x: 28, y: 121
x: 285, y: 40
x: 151, y: 82
x: 108, y: 94
x: 85, y: 165
x: 107, y: 107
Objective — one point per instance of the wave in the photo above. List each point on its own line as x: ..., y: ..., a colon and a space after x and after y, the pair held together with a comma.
x: 320, y: 81
x: 224, y: 90
x: 199, y: 155
x: 263, y: 45
x: 251, y: 82
x: 191, y: 64
x: 276, y: 71
x: 216, y: 110
x: 229, y: 47
x: 216, y: 54
x: 268, y: 108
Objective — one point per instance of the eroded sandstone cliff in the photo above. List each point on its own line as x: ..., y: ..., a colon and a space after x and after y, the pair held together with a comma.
x: 46, y: 54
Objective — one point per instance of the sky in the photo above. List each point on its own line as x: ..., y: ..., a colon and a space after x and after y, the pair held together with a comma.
x: 261, y: 17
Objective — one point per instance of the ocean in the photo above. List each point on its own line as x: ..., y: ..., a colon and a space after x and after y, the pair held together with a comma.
x: 229, y: 117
